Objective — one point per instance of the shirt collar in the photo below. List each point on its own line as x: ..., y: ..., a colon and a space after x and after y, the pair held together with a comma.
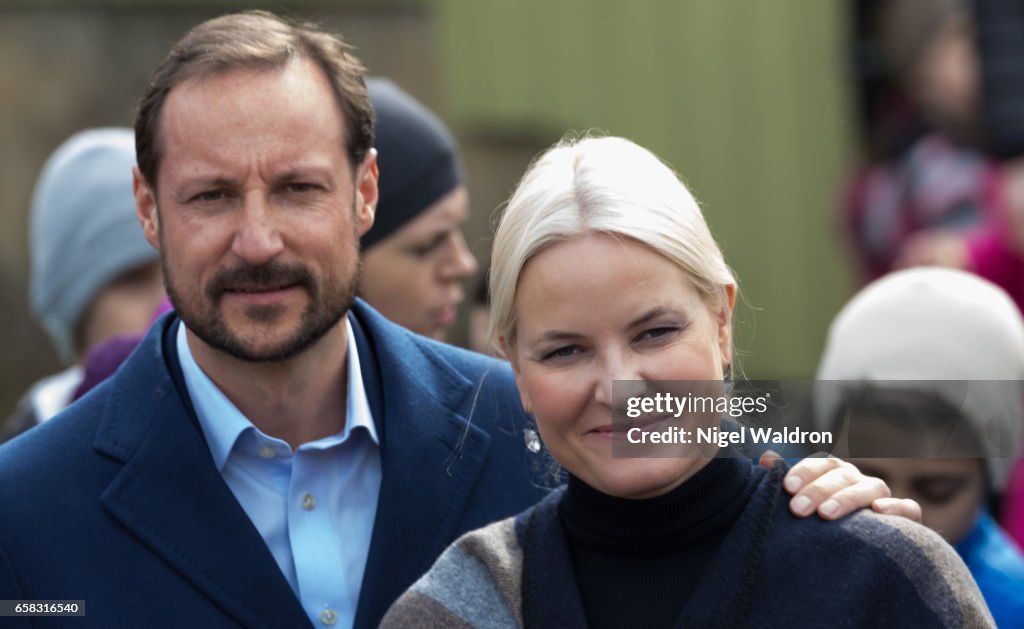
x: 223, y: 424
x: 52, y: 394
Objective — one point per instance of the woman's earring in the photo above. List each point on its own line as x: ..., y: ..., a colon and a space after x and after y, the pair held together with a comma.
x: 531, y: 439
x: 727, y: 381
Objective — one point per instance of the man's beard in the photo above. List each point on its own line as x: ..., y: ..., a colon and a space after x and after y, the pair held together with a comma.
x: 328, y: 303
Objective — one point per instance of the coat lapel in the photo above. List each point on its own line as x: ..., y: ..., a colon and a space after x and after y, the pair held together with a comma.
x: 431, y: 457
x: 171, y: 497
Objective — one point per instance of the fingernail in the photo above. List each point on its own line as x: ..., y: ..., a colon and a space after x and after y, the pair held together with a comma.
x: 829, y: 507
x: 801, y: 504
x: 883, y: 504
x: 792, y: 483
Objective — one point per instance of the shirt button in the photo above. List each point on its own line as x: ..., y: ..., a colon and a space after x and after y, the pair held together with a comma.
x: 266, y: 452
x: 308, y: 503
x: 328, y: 617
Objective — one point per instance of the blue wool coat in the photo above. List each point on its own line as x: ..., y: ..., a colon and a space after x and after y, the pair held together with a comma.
x: 117, y: 501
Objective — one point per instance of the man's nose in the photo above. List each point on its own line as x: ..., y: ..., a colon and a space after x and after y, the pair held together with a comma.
x: 257, y: 236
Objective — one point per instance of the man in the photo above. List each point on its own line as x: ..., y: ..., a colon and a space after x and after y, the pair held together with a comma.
x: 280, y: 454
x: 255, y: 183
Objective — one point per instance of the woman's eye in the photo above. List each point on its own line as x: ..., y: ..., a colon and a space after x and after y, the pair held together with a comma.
x: 657, y: 333
x: 428, y: 248
x: 561, y: 353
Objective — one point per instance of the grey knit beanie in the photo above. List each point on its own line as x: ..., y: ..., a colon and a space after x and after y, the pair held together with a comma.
x: 83, y: 231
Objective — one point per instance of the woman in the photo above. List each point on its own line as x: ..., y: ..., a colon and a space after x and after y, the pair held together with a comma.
x: 415, y: 257
x: 603, y: 270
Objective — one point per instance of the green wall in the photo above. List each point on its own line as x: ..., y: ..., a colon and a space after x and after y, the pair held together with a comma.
x: 747, y: 100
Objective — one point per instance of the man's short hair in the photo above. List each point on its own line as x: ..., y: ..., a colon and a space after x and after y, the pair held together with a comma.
x: 254, y: 40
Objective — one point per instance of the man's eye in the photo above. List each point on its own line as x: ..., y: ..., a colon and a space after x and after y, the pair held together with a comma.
x: 210, y: 196
x: 300, y: 187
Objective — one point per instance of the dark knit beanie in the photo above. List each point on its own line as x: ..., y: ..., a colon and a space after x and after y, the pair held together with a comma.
x: 417, y: 157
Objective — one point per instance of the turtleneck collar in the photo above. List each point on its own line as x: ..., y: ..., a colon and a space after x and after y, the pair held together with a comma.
x: 704, y: 504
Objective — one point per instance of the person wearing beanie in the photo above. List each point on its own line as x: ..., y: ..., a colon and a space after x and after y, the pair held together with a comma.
x: 928, y: 363
x: 93, y: 275
x: 415, y: 257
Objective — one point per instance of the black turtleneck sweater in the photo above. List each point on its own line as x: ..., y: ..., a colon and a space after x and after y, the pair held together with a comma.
x: 663, y: 544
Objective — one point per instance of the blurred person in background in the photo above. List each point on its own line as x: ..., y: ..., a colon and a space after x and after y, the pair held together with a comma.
x: 955, y: 197
x: 939, y: 183
x: 931, y: 363
x: 93, y: 275
x: 415, y: 258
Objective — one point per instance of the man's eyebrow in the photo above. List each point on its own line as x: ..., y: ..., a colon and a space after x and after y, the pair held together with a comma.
x: 191, y: 185
x: 303, y: 171
x: 215, y: 181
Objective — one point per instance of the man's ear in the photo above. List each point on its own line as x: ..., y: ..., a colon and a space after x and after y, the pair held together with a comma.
x: 513, y: 360
x: 145, y: 208
x: 367, y: 194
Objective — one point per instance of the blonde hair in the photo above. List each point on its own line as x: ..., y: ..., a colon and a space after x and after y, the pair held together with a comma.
x: 602, y: 185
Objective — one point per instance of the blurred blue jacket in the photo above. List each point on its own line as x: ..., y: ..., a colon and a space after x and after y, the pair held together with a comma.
x: 996, y: 564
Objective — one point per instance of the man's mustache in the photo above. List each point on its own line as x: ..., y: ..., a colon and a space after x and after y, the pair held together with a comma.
x: 265, y: 277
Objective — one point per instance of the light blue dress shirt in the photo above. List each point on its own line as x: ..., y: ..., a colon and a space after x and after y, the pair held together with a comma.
x: 314, y: 507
